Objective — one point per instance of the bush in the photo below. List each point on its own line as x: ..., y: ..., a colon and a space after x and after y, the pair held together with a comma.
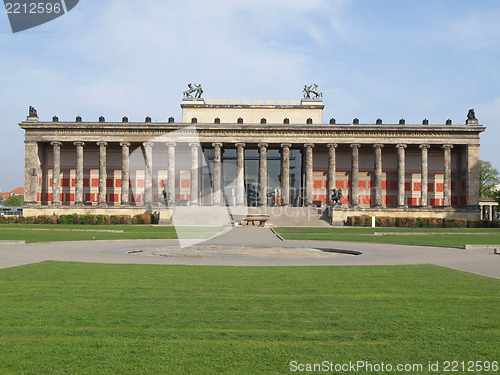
x: 146, y: 219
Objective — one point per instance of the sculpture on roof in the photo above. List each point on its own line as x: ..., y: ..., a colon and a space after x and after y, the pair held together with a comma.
x: 471, y: 115
x: 196, y: 89
x: 33, y: 112
x: 312, y: 89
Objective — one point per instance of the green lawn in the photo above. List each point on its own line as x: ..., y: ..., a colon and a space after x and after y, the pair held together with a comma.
x: 80, y: 318
x: 94, y: 232
x: 433, y: 236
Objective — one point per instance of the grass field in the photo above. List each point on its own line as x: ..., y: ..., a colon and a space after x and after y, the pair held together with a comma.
x: 49, y: 233
x: 142, y: 319
x: 452, y: 237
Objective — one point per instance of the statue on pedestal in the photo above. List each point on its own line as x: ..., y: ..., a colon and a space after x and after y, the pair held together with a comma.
x: 197, y: 89
x: 166, y: 197
x: 33, y: 112
x: 312, y: 89
x: 336, y: 197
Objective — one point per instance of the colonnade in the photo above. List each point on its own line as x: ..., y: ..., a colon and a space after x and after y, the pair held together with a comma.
x: 472, y: 158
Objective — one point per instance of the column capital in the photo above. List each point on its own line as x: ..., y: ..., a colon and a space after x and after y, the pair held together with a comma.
x: 378, y: 145
x: 148, y: 144
x: 424, y: 145
x: 56, y: 143
x: 446, y: 147
x: 194, y: 144
x: 239, y: 144
x: 309, y: 145
x: 127, y: 144
x: 102, y: 144
x: 286, y: 145
x: 355, y: 145
x: 171, y: 143
x: 263, y: 145
x: 401, y: 145
x: 79, y: 143
x: 216, y: 144
x: 332, y: 145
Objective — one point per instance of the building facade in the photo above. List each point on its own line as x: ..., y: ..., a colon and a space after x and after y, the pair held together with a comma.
x: 256, y: 154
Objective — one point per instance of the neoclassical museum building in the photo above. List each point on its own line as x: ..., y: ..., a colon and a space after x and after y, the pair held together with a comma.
x: 260, y: 154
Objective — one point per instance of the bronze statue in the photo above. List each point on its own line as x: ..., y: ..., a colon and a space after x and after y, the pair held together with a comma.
x: 166, y: 196
x: 33, y: 112
x: 197, y: 89
x: 336, y: 197
x: 471, y: 115
x: 312, y: 89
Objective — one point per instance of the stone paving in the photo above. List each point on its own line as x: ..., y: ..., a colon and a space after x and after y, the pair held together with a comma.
x: 251, y: 246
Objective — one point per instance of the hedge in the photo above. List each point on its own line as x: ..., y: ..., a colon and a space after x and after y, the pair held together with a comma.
x: 411, y: 222
x: 79, y: 219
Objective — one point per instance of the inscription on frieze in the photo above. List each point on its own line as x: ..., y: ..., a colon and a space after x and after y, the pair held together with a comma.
x: 251, y: 133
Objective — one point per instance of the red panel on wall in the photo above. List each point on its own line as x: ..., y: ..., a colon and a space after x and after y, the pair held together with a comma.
x: 48, y: 197
x: 464, y: 185
x: 61, y: 197
x: 417, y: 186
x: 430, y: 187
x: 38, y: 197
x: 362, y: 184
x: 384, y: 185
x: 371, y: 184
x: 365, y: 199
x: 435, y: 202
x: 140, y: 182
x: 85, y: 182
x: 317, y: 184
x: 407, y: 186
x: 463, y: 200
x: 73, y: 182
x: 439, y: 187
x: 339, y: 184
x: 452, y: 185
x: 393, y: 185
x: 109, y: 182
x: 185, y: 183
x: 454, y: 200
x: 65, y: 182
x: 345, y: 199
x: 95, y: 182
x: 87, y: 197
x: 50, y: 182
x: 118, y: 182
x: 114, y: 198
x: 389, y: 199
x: 412, y: 201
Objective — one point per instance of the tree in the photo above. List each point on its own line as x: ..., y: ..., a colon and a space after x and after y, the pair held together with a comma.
x: 13, y: 201
x: 489, y: 178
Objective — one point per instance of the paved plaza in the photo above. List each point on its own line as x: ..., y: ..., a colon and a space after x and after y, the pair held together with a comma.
x: 251, y: 246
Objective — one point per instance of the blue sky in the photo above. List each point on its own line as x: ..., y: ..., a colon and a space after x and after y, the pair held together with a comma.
x: 387, y: 59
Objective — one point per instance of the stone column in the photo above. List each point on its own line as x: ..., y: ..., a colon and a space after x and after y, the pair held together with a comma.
x: 309, y: 173
x: 473, y: 176
x: 424, y: 175
x: 401, y: 174
x: 79, y: 172
x: 194, y: 191
x: 285, y: 173
x: 378, y: 174
x: 217, y: 184
x: 262, y: 174
x: 171, y: 172
x: 102, y: 172
x: 355, y: 175
x: 148, y: 183
x: 31, y: 165
x: 240, y: 174
x: 125, y: 172
x: 447, y: 175
x: 56, y: 173
x: 332, y: 170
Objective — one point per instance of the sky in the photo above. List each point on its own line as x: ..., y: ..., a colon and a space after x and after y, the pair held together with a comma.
x: 391, y: 59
